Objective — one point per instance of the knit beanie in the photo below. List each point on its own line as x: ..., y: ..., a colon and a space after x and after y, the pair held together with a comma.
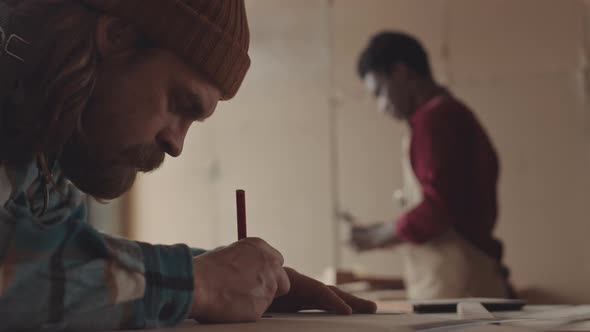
x: 211, y: 35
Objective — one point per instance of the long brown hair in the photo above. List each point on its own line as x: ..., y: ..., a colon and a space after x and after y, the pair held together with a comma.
x: 58, y: 86
x: 47, y: 124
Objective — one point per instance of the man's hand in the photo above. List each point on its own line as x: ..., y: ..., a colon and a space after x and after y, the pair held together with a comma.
x: 237, y: 283
x: 375, y: 236
x: 307, y: 293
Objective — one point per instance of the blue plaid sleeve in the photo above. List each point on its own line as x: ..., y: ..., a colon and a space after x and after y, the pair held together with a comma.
x: 59, y: 273
x: 169, y: 285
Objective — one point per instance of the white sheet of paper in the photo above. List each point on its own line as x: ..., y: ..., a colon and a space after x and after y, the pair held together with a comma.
x: 473, y: 310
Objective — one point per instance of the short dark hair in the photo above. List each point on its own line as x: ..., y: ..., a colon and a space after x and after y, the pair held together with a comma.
x: 386, y: 49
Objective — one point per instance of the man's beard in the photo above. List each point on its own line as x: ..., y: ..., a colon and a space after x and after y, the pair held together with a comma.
x: 107, y: 177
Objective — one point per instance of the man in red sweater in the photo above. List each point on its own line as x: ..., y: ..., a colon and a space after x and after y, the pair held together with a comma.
x: 451, y: 174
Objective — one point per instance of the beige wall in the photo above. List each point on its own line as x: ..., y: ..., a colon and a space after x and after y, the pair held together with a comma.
x: 302, y: 137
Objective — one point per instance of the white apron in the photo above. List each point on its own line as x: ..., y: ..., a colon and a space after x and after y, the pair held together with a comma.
x: 447, y: 266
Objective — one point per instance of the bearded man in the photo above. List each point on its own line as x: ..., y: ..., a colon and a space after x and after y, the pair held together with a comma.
x: 91, y: 93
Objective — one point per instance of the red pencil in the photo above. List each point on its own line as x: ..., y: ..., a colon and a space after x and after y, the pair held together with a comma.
x: 241, y: 207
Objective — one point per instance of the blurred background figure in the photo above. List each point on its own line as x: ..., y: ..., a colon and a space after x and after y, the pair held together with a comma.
x: 450, y: 171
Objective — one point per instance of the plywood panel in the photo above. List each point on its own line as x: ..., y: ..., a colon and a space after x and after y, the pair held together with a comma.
x: 506, y: 37
x: 539, y: 127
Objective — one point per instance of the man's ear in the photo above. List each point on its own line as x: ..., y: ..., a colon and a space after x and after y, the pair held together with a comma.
x: 114, y: 36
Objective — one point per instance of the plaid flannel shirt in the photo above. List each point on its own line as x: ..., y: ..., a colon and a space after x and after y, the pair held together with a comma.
x: 59, y: 273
